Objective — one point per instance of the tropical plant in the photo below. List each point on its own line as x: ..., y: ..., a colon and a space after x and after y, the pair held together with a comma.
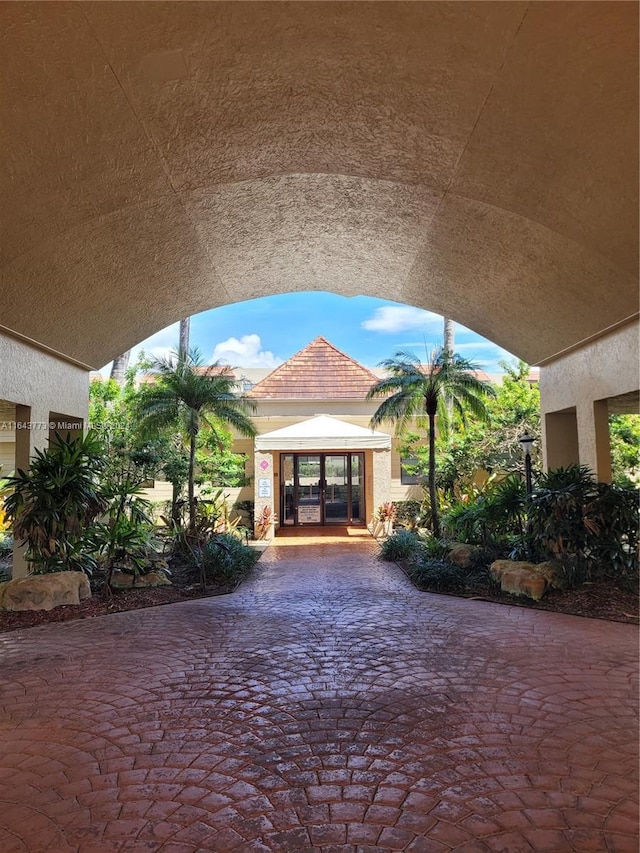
x: 126, y: 537
x: 625, y: 449
x: 496, y: 513
x: 413, y: 390
x: 6, y: 544
x: 588, y: 526
x: 438, y: 576
x: 490, y: 445
x: 400, y: 546
x: 386, y: 511
x: 216, y: 463
x: 53, y: 505
x: 410, y: 514
x: 188, y: 393
x: 223, y: 559
x: 265, y: 521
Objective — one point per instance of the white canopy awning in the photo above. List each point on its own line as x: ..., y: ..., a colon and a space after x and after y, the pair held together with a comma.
x: 323, y: 433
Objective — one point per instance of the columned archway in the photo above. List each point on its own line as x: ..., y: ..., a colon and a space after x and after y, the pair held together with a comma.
x: 475, y: 159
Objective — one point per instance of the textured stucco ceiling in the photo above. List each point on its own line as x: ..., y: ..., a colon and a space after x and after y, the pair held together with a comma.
x: 476, y: 159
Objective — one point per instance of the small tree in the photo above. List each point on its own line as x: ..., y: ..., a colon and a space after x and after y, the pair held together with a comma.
x: 413, y: 390
x: 54, y: 504
x: 190, y: 394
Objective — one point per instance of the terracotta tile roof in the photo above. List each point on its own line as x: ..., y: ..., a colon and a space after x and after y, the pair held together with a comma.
x: 205, y: 370
x: 319, y: 371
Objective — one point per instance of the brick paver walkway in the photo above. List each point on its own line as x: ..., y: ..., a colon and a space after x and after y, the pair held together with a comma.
x: 327, y: 706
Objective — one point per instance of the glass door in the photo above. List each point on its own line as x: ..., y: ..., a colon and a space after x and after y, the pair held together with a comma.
x: 336, y: 492
x: 322, y: 488
x: 288, y: 510
x: 309, y: 489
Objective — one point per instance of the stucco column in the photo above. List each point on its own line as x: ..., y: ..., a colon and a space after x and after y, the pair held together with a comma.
x: 593, y: 438
x: 560, y: 440
x: 574, y: 393
x: 381, y: 479
x: 265, y: 494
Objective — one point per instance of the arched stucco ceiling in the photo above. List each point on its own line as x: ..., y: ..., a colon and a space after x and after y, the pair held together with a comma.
x: 476, y: 159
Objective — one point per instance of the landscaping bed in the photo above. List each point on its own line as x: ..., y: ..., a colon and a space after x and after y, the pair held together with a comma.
x: 184, y: 587
x: 596, y: 600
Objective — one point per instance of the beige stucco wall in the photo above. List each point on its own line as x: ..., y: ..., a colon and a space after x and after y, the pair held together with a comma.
x: 577, y: 386
x: 34, y: 378
x: 38, y: 383
x: 380, y: 480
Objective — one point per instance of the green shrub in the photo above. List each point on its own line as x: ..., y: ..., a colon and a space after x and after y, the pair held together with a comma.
x: 411, y: 514
x: 439, y: 576
x: 401, y: 546
x: 223, y: 559
x: 435, y: 549
x: 590, y: 527
x: 482, y: 556
x: 53, y: 505
x: 6, y: 545
x: 492, y: 518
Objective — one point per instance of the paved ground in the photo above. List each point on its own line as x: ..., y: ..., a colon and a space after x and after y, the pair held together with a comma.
x: 327, y: 707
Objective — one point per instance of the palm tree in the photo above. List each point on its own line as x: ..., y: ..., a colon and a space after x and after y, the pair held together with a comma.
x: 185, y: 331
x: 449, y: 335
x: 412, y: 389
x: 189, y: 393
x: 119, y: 367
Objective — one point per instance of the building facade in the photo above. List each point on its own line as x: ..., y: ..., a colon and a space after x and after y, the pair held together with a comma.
x: 316, y: 461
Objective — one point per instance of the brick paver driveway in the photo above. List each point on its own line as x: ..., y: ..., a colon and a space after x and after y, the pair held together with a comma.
x: 326, y: 706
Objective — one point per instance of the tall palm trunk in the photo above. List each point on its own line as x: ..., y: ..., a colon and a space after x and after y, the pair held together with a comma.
x: 191, y: 485
x: 433, y: 495
x: 185, y: 331
x: 120, y: 366
x: 448, y: 345
x: 449, y: 336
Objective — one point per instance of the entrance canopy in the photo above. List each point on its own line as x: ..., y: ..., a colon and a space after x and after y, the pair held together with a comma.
x: 323, y: 433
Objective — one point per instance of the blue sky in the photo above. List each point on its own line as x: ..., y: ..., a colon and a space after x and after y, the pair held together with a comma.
x: 265, y: 332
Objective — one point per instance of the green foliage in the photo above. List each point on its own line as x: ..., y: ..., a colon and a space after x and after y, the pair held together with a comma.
x: 190, y: 396
x: 590, y: 527
x: 494, y: 516
x: 223, y: 559
x: 420, y: 394
x: 246, y: 511
x: 126, y: 538
x: 625, y: 449
x: 492, y: 444
x: 6, y: 544
x: 401, y: 545
x: 217, y: 464
x: 53, y: 505
x: 438, y: 576
x: 411, y: 514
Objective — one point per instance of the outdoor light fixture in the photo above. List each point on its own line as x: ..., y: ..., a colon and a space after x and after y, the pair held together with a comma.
x: 526, y: 442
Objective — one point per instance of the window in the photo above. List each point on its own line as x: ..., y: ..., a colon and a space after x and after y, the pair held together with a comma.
x: 409, y: 479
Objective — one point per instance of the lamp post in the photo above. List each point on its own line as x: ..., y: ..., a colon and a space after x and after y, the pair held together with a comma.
x: 526, y: 442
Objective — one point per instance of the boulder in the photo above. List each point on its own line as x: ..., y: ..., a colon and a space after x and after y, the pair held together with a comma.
x: 125, y: 580
x: 461, y: 554
x: 522, y: 578
x: 44, y: 592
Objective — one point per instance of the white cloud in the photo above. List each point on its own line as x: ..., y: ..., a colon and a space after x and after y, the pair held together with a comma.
x: 245, y: 352
x: 397, y: 318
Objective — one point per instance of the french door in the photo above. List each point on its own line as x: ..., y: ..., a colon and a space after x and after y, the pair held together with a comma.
x: 322, y: 488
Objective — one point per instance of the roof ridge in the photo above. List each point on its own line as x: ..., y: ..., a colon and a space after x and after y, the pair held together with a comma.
x: 316, y: 349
